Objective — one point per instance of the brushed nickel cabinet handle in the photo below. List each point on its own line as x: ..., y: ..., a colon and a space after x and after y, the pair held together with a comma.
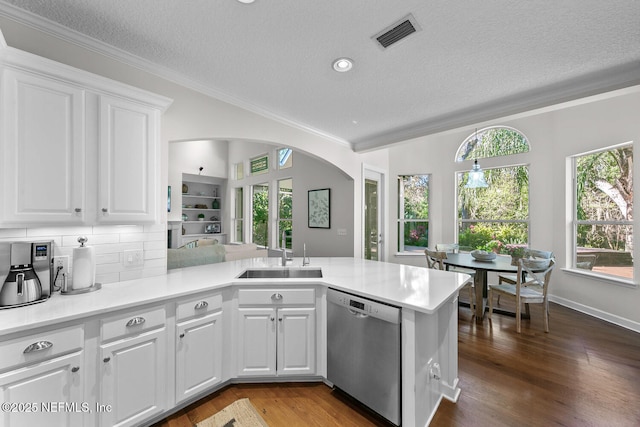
x: 276, y: 296
x: 201, y: 305
x: 38, y: 346
x: 136, y: 321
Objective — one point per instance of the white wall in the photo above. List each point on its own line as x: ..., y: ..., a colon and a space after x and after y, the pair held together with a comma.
x: 554, y: 135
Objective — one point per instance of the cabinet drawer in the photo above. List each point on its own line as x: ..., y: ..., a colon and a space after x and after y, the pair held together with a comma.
x: 132, y: 322
x: 37, y: 347
x: 198, y: 306
x: 276, y: 296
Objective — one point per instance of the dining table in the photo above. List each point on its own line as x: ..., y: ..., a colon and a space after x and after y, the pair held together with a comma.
x: 500, y: 264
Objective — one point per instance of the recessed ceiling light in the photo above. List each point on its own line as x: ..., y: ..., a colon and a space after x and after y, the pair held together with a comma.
x: 246, y: 1
x: 342, y: 65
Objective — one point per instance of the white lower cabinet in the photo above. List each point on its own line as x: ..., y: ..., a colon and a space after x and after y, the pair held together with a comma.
x: 198, y: 355
x: 296, y: 341
x: 50, y: 393
x: 45, y: 374
x: 133, y: 376
x: 42, y: 379
x: 276, y: 339
x: 256, y: 341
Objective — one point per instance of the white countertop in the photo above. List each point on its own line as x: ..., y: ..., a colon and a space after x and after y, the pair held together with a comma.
x: 406, y: 286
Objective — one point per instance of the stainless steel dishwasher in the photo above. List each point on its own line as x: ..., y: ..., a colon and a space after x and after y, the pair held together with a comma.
x: 363, y: 351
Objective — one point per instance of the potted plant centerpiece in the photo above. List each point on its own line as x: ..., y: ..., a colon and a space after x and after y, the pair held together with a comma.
x: 200, y: 217
x: 515, y: 251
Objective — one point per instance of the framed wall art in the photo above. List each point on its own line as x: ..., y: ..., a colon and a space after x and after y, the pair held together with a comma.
x: 320, y: 208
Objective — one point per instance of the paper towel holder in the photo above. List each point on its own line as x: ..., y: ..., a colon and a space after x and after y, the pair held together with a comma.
x: 66, y: 291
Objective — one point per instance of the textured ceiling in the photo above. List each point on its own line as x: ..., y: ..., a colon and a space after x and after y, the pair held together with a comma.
x: 471, y: 61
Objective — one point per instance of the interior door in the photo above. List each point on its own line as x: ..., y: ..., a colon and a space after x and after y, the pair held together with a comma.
x: 372, y: 216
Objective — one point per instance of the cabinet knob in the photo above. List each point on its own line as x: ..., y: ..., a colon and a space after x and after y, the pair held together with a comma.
x: 273, y: 318
x: 78, y: 210
x: 106, y: 359
x: 276, y: 296
x: 75, y: 369
x: 181, y: 335
x: 280, y: 319
x: 105, y: 210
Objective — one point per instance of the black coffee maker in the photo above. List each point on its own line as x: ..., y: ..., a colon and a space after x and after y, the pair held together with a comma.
x: 26, y: 273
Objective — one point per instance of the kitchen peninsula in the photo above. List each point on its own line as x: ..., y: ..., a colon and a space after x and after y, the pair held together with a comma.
x: 194, y: 330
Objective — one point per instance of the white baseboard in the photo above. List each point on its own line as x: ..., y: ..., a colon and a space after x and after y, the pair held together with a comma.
x: 607, y: 317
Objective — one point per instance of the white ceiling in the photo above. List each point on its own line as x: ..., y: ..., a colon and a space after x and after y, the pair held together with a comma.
x: 471, y: 61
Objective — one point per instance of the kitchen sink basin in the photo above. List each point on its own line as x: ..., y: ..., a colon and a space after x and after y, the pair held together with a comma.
x: 281, y: 273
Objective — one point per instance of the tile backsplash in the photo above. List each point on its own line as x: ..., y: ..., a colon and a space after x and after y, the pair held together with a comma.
x: 109, y: 242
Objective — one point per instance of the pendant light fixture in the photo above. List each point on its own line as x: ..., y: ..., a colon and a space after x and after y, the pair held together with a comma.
x: 476, y: 176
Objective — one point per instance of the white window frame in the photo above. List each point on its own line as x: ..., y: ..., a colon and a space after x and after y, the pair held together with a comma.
x: 460, y: 221
x: 277, y: 214
x: 235, y: 219
x: 572, y: 238
x: 401, y: 220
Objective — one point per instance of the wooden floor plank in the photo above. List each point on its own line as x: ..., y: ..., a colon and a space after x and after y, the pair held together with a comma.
x: 584, y: 372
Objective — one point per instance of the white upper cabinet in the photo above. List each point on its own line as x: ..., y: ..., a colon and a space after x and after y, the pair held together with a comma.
x: 128, y: 161
x: 76, y: 148
x: 43, y: 167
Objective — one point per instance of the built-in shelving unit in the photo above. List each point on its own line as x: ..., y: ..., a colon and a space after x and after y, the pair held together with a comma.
x: 202, y: 200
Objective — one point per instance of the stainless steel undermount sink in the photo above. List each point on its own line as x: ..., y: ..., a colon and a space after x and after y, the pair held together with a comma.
x: 281, y: 273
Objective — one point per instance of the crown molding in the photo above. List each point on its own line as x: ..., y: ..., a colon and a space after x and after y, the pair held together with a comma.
x: 533, y: 102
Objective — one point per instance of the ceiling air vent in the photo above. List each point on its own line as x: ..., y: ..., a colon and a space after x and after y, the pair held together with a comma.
x: 397, y: 31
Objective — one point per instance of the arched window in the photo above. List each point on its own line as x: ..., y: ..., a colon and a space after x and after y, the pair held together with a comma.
x: 492, y: 142
x: 496, y: 217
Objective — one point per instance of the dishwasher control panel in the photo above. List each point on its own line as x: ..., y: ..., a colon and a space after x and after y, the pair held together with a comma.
x: 365, y: 306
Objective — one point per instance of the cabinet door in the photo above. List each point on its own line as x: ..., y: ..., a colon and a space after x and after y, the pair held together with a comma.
x: 42, y: 150
x: 198, y: 355
x: 296, y: 341
x: 133, y: 378
x: 128, y: 162
x: 53, y: 392
x: 257, y: 341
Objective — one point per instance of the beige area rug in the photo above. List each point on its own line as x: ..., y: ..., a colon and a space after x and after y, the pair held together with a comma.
x: 240, y: 413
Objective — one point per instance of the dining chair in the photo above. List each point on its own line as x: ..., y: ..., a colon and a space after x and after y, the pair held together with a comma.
x: 531, y: 288
x: 435, y: 260
x: 452, y: 248
x: 528, y: 253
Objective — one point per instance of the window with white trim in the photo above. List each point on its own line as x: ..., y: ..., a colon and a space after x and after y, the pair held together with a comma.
x: 285, y: 212
x: 496, y: 217
x: 285, y: 158
x: 238, y: 215
x: 413, y: 213
x: 260, y: 214
x: 603, y: 211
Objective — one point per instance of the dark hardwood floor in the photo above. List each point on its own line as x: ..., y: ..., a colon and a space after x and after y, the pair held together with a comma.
x: 584, y: 372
